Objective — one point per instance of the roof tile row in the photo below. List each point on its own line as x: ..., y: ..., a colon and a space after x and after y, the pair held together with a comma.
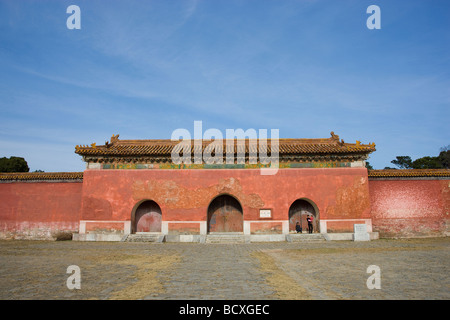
x: 36, y: 176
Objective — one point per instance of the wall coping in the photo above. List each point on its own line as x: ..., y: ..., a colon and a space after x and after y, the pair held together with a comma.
x: 41, y: 177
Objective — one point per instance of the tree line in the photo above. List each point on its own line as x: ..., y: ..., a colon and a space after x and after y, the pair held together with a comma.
x: 442, y: 161
x: 13, y: 164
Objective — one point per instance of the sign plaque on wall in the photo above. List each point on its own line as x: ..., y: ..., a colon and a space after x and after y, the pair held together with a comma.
x: 265, y: 213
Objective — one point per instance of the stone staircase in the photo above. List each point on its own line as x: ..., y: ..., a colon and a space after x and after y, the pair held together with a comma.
x: 228, y: 237
x: 144, y: 237
x: 304, y: 237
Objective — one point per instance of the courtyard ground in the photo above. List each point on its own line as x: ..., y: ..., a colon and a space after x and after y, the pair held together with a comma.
x: 408, y: 269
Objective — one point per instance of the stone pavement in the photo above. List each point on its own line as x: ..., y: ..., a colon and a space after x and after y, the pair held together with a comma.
x: 409, y: 269
x: 217, y: 271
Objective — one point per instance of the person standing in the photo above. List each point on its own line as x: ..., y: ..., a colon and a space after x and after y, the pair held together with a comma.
x: 310, y: 223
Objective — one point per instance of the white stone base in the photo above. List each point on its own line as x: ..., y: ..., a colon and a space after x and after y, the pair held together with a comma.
x: 97, y: 237
x: 265, y: 237
x: 348, y: 236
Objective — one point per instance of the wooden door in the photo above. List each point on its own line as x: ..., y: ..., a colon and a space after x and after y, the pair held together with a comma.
x: 225, y: 215
x: 148, y: 217
x: 298, y: 212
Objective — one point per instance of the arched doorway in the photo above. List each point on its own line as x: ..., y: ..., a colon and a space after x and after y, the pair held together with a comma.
x: 225, y: 215
x: 299, y: 211
x: 147, y: 217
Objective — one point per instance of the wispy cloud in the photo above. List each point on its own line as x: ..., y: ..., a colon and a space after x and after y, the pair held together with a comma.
x: 143, y: 69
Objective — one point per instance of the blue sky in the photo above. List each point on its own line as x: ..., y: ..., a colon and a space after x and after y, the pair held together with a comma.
x: 142, y: 69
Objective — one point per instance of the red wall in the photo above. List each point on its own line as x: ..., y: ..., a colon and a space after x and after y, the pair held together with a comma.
x: 405, y: 208
x: 38, y: 210
x: 184, y: 195
x: 398, y: 208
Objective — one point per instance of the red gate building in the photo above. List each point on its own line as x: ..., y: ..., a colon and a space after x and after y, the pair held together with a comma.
x: 134, y: 187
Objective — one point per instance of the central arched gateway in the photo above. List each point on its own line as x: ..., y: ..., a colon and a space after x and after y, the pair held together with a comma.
x: 147, y: 217
x: 299, y: 211
x: 225, y: 215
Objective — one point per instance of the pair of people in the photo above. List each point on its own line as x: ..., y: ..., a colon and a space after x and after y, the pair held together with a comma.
x: 310, y: 219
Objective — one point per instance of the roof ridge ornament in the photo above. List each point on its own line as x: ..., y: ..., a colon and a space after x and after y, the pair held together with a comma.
x: 114, y: 139
x: 370, y: 144
x: 334, y: 137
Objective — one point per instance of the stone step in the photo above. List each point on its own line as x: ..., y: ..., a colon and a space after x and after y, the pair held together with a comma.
x: 144, y: 237
x: 225, y: 238
x: 301, y: 237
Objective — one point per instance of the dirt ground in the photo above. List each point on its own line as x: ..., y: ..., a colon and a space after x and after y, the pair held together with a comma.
x: 413, y: 269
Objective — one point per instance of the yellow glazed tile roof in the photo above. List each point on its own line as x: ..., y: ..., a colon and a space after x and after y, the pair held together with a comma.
x: 388, y: 173
x: 40, y: 176
x: 64, y: 176
x: 164, y: 147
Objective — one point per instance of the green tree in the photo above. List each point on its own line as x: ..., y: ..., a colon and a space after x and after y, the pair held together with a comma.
x: 403, y: 162
x: 444, y: 157
x: 442, y: 161
x: 426, y: 163
x: 13, y: 164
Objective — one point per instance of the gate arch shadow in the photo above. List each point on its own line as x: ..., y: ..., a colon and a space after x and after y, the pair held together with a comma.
x: 298, y: 212
x: 146, y: 216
